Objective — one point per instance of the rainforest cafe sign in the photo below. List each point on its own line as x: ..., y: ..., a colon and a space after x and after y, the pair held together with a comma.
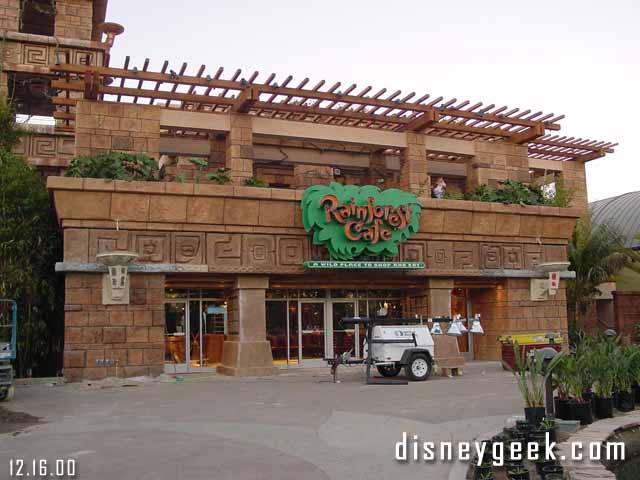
x: 352, y: 221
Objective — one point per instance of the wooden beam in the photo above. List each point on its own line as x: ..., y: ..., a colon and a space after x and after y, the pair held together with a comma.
x: 528, y: 135
x: 245, y: 101
x: 542, y: 164
x: 420, y: 123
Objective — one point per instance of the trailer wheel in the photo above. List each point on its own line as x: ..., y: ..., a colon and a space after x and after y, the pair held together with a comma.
x: 8, y: 394
x: 419, y: 367
x: 389, y: 370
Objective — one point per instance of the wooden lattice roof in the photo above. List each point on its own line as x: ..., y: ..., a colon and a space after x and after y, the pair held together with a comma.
x: 336, y: 104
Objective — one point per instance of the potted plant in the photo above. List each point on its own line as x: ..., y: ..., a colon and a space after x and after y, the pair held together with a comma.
x: 485, y: 468
x: 543, y: 463
x: 552, y: 471
x: 487, y: 476
x: 624, y: 378
x: 560, y: 383
x: 531, y: 372
x: 602, y: 365
x: 579, y: 408
x: 519, y: 472
x: 549, y: 426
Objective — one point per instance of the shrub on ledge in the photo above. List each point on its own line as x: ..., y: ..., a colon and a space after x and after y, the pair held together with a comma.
x: 114, y: 166
x: 517, y: 193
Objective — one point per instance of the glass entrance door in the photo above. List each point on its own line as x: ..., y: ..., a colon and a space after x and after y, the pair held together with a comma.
x: 311, y: 317
x: 194, y: 334
x: 343, y: 340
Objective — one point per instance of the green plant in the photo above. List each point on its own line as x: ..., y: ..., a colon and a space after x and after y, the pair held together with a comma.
x: 596, y: 253
x: 220, y: 176
x: 114, y: 166
x: 255, y: 182
x: 181, y: 178
x: 482, y: 193
x: 512, y: 192
x: 30, y: 243
x: 453, y: 195
x: 199, y: 162
x: 602, y: 365
x: 531, y: 372
x: 625, y: 362
x: 487, y: 476
x: 547, y: 424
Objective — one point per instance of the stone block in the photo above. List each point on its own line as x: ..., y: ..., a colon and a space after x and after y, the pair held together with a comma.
x: 130, y: 207
x: 78, y: 296
x: 74, y: 358
x: 153, y: 356
x: 135, y: 357
x: 165, y: 208
x: 121, y: 143
x: 98, y: 318
x: 82, y: 205
x: 142, y: 318
x: 457, y: 221
x: 276, y: 213
x: 75, y: 319
x: 208, y: 210
x: 72, y: 335
x: 91, y: 335
x: 95, y: 373
x: 240, y: 212
x: 120, y: 318
x: 137, y: 334
x: 156, y: 333
x: 484, y: 224
x: 113, y: 335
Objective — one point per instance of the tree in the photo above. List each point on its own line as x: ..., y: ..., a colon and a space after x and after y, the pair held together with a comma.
x: 30, y: 244
x: 596, y: 253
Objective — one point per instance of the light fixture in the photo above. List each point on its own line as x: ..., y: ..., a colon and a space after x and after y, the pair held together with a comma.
x: 436, y: 329
x: 209, y: 78
x: 244, y: 82
x: 454, y: 329
x: 461, y: 325
x: 115, y: 285
x: 476, y: 327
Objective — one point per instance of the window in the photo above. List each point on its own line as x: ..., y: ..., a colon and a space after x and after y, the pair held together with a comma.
x: 38, y: 17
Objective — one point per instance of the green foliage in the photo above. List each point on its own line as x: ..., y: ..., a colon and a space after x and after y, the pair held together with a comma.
x: 30, y: 244
x: 220, y: 176
x: 453, y: 195
x: 199, y: 162
x: 596, y: 253
x: 624, y: 364
x: 9, y: 133
x: 255, y: 182
x: 629, y: 471
x: 531, y: 372
x: 482, y: 193
x: 518, y: 193
x: 114, y: 166
x: 602, y: 365
x: 332, y: 233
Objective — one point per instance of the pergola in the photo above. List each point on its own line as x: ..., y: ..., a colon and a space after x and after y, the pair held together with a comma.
x: 320, y: 103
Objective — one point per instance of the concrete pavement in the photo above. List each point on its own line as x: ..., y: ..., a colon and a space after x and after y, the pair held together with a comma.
x: 297, y: 425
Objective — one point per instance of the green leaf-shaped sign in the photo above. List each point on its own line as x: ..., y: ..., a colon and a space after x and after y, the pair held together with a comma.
x: 352, y: 221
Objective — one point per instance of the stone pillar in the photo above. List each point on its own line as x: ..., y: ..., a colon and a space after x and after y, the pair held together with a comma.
x: 575, y: 178
x: 122, y: 127
x: 447, y: 351
x: 4, y: 86
x: 113, y: 340
x: 74, y: 19
x: 10, y: 18
x: 239, y: 157
x: 413, y: 166
x: 377, y: 170
x: 497, y: 161
x: 246, y: 351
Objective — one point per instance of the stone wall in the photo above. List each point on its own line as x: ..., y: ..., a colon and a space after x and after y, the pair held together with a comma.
x: 413, y: 167
x: 10, y: 15
x: 74, y: 19
x: 627, y: 313
x: 104, y: 126
x: 239, y: 156
x: 507, y: 309
x: 575, y: 178
x: 132, y: 336
x: 495, y: 162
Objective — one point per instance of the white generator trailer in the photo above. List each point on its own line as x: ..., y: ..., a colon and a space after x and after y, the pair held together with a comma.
x: 402, y: 346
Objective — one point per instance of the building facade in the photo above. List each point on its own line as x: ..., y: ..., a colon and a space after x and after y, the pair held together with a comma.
x: 227, y: 275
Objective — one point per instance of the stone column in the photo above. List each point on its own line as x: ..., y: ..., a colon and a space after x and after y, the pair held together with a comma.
x: 575, y: 178
x: 10, y: 18
x: 413, y: 166
x: 497, y: 161
x: 106, y: 126
x: 74, y: 19
x: 440, y: 297
x: 239, y: 157
x: 246, y: 351
x: 447, y: 352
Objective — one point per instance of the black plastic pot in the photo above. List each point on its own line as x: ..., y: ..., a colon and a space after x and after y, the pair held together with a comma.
x: 541, y: 465
x: 581, y: 411
x: 636, y: 389
x: 554, y: 476
x: 550, y: 471
x: 542, y: 434
x: 561, y: 406
x: 604, y: 407
x: 625, y: 401
x: 534, y: 415
x: 524, y: 475
x: 482, y: 470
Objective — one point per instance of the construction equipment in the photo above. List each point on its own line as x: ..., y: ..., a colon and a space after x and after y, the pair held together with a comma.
x: 8, y: 337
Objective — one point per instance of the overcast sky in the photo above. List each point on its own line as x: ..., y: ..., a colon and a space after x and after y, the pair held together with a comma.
x: 578, y: 58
